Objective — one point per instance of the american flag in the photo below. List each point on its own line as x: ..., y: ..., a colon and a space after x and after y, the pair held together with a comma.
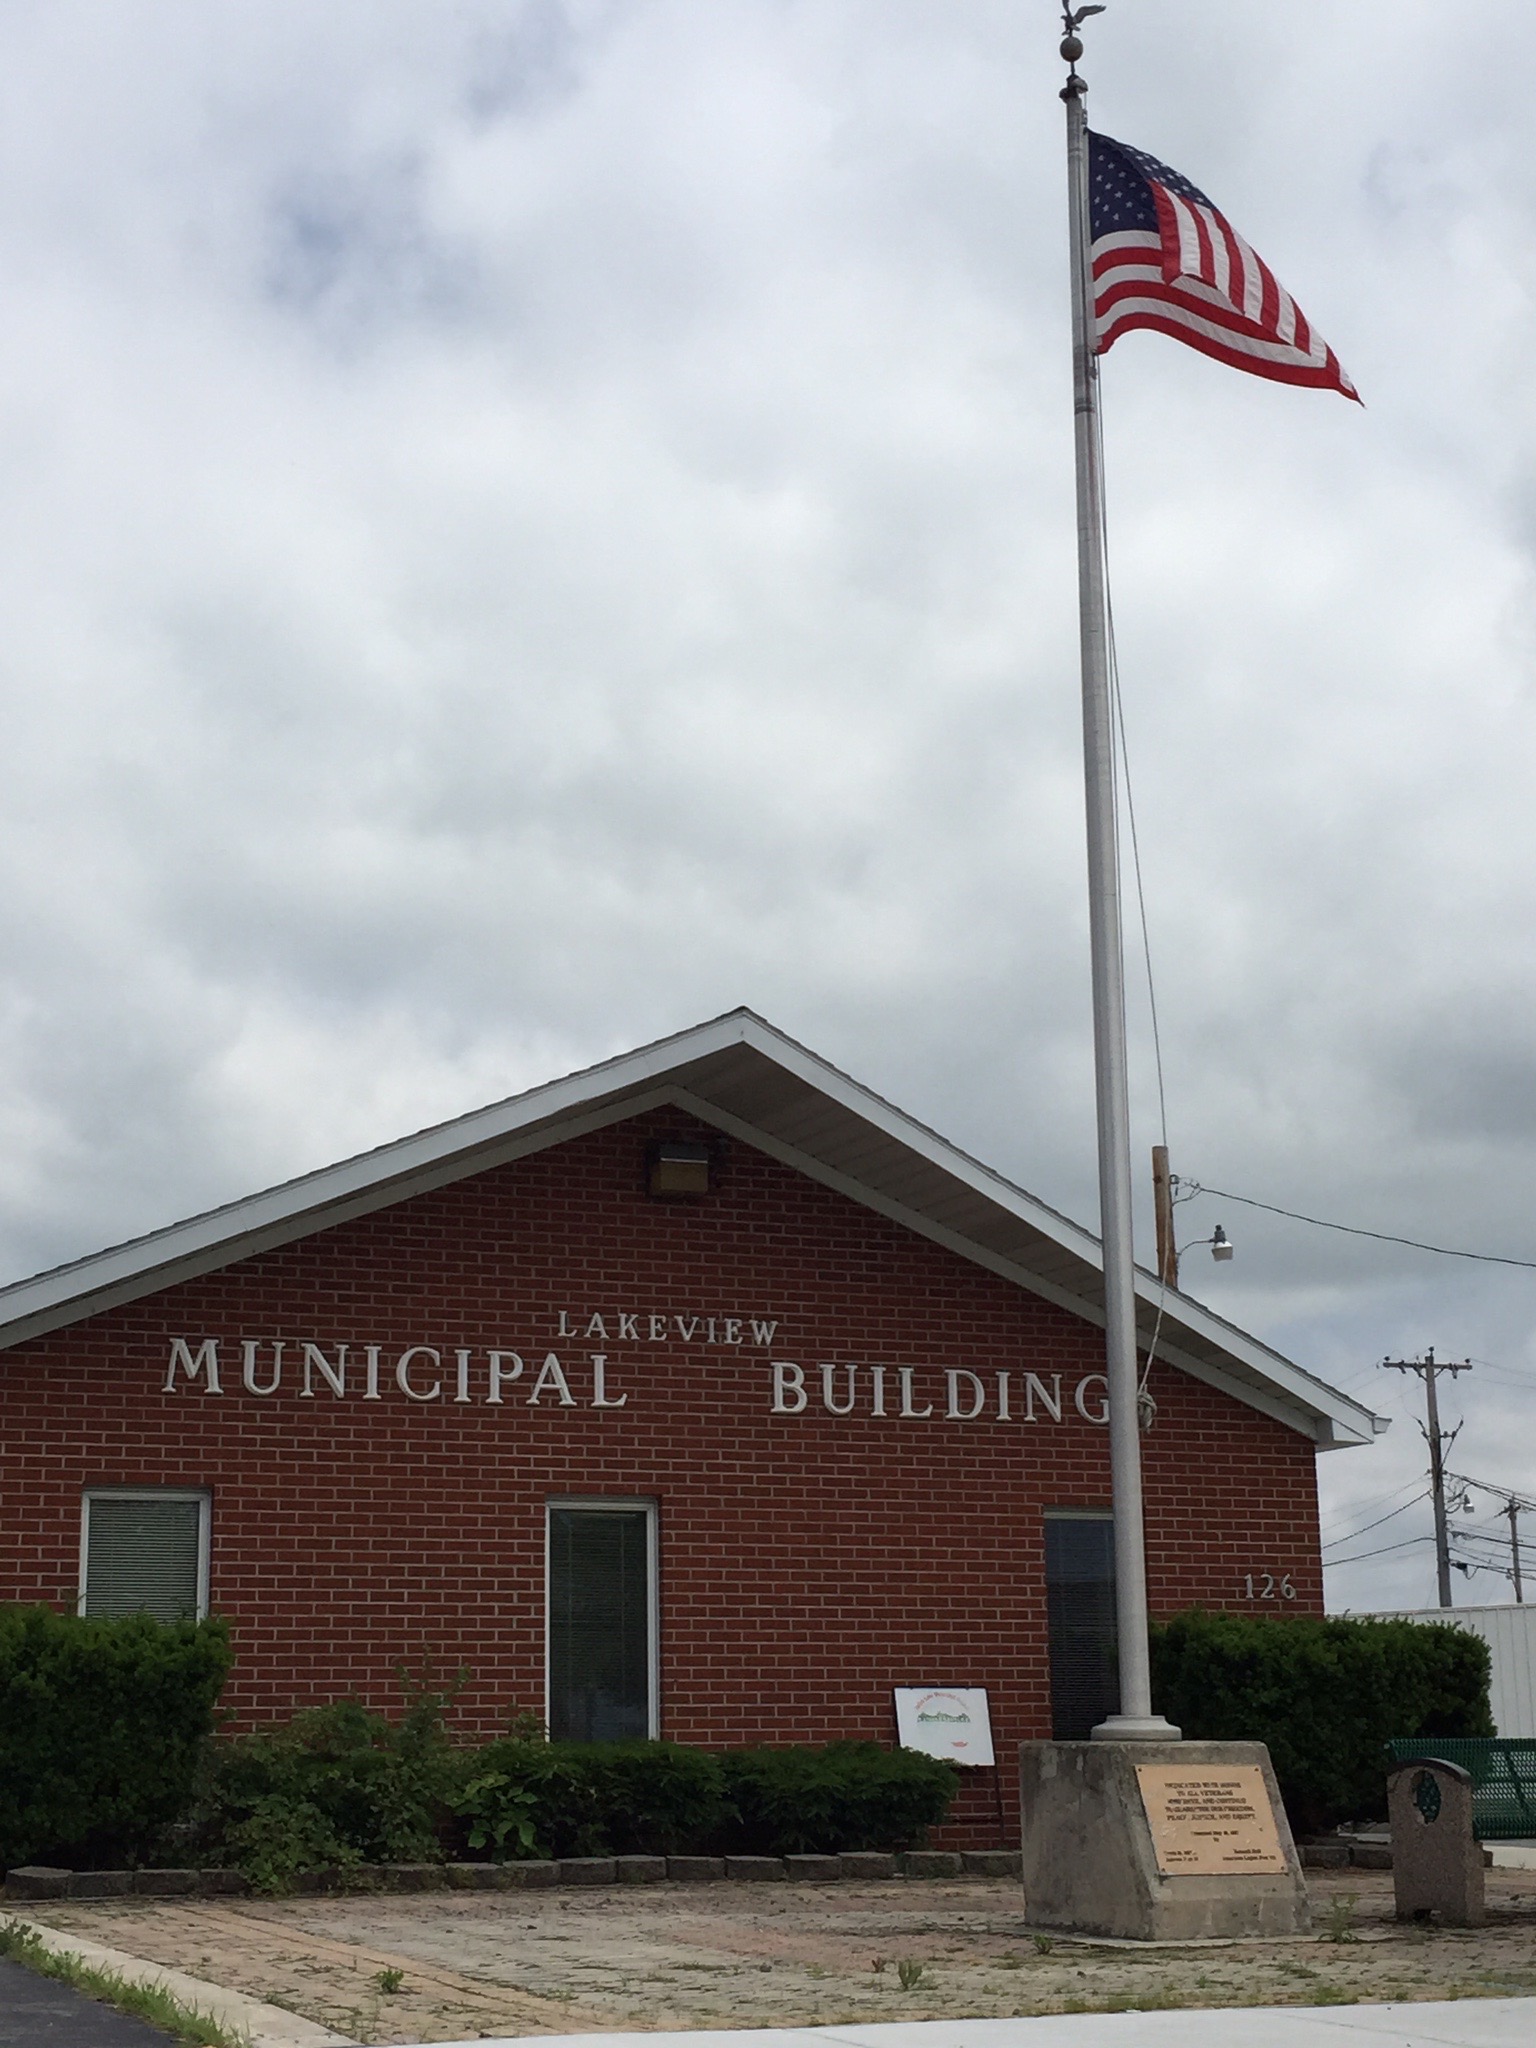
x: 1163, y: 257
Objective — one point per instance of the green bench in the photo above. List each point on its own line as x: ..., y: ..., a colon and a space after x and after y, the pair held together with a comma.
x: 1503, y: 1774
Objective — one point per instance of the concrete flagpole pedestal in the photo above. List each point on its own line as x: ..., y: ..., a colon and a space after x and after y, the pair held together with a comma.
x: 1158, y: 1841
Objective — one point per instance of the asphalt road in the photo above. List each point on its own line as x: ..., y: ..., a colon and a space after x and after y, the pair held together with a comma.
x: 35, y: 2012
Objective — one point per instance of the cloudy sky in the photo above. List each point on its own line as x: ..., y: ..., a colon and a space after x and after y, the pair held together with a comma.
x: 527, y: 523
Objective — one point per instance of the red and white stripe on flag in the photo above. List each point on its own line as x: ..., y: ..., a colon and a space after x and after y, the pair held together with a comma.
x: 1198, y: 280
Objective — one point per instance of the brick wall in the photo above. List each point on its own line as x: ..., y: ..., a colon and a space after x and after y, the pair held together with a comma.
x: 809, y: 1561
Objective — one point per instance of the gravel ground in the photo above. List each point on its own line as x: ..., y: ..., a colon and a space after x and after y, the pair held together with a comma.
x: 453, y: 1966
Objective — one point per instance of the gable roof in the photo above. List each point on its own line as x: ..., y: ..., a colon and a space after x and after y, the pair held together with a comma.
x: 747, y: 1079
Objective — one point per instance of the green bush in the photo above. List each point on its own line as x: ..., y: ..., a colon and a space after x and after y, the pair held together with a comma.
x: 633, y: 1798
x: 102, y: 1725
x: 340, y: 1786
x: 523, y: 1798
x: 1325, y: 1695
x: 847, y: 1795
x: 337, y: 1785
x: 655, y: 1798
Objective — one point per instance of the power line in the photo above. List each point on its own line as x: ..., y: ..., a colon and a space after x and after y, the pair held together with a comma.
x: 1444, y: 1251
x: 1367, y: 1527
x: 1375, y: 1500
x: 1499, y: 1492
x: 1407, y: 1543
x: 1515, y: 1505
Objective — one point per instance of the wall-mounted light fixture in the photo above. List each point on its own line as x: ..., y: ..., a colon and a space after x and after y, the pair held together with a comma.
x: 679, y: 1169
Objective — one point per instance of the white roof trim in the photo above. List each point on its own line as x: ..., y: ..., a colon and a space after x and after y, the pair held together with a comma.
x: 624, y: 1087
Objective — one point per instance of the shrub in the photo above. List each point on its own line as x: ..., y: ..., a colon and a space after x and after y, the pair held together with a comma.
x: 338, y: 1785
x: 1325, y: 1695
x: 848, y: 1795
x: 102, y: 1724
x: 656, y: 1798
x: 530, y: 1798
x: 626, y: 1798
x: 341, y: 1786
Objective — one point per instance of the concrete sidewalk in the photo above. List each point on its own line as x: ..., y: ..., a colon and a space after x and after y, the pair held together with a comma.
x: 1468, y: 2023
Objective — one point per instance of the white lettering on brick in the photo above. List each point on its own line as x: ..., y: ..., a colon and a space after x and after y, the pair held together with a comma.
x: 206, y: 1361
x: 827, y: 1401
x: 1094, y: 1379
x: 953, y: 1412
x: 600, y: 1384
x: 501, y: 1374
x: 249, y: 1349
x: 904, y: 1374
x: 551, y: 1374
x: 789, y: 1395
x: 403, y: 1373
x: 1035, y: 1389
x: 335, y: 1376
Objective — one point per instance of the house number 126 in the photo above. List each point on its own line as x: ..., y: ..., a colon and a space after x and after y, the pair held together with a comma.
x: 1265, y: 1586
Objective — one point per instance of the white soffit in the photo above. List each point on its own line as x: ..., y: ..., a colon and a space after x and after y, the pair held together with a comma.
x: 741, y: 1074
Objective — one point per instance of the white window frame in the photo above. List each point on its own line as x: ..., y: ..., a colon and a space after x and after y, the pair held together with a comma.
x: 611, y: 1504
x: 204, y: 1500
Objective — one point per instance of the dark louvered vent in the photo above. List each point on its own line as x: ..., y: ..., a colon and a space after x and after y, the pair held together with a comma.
x: 141, y: 1555
x: 599, y: 1624
x: 1080, y: 1596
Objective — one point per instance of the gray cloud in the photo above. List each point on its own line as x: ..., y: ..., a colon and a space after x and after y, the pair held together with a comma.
x: 524, y: 525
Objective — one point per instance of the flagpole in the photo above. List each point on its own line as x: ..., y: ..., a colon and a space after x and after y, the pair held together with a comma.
x: 1135, y: 1720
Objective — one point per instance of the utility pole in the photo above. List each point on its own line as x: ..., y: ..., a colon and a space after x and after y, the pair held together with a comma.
x: 1512, y: 1509
x: 1427, y: 1367
x: 1162, y: 1203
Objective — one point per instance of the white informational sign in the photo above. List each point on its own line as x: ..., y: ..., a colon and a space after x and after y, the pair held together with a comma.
x: 948, y: 1721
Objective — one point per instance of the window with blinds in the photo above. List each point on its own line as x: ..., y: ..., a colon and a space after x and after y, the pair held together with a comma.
x: 602, y: 1619
x: 145, y: 1553
x: 1080, y: 1602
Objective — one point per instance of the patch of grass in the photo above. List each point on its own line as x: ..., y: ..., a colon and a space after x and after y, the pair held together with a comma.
x: 22, y: 1944
x: 1333, y: 1994
x: 390, y: 1981
x: 910, y: 1972
x: 1043, y: 1944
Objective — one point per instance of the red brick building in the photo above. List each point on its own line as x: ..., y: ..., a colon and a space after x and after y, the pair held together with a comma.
x: 702, y: 1393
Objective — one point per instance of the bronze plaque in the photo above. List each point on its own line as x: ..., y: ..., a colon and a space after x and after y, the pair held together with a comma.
x: 1210, y: 1820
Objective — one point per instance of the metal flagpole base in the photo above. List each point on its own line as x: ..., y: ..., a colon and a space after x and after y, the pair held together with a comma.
x: 1136, y: 1728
